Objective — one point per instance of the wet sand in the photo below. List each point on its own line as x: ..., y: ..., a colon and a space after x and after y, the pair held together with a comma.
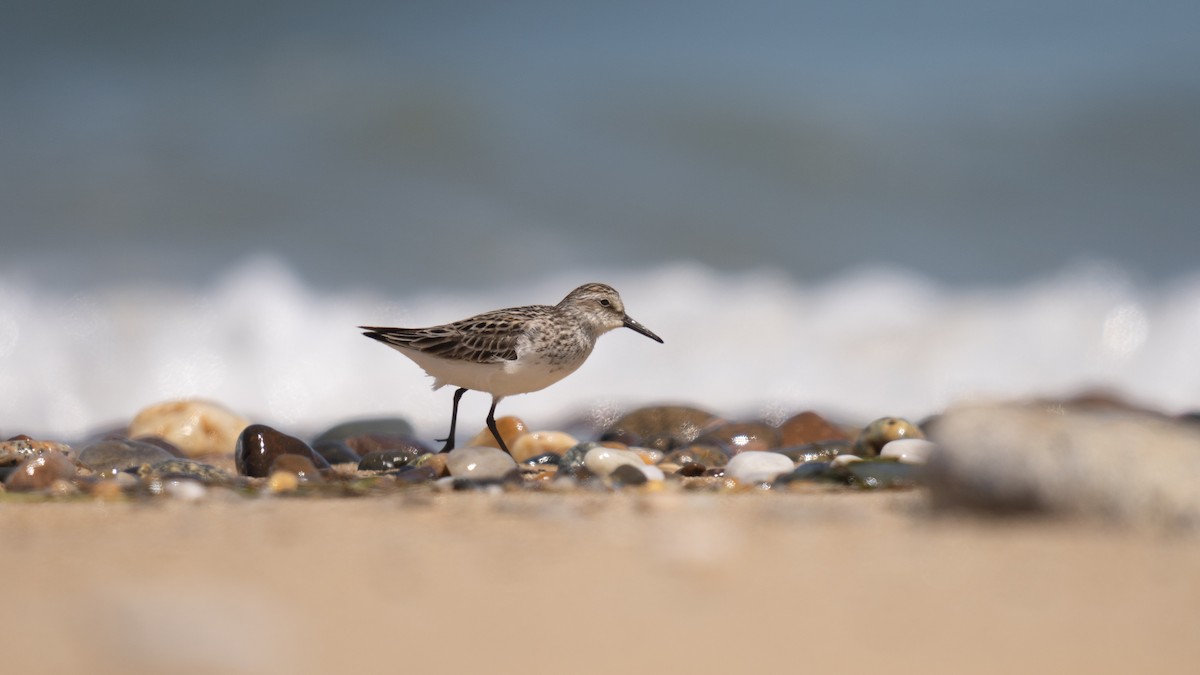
x: 586, y: 583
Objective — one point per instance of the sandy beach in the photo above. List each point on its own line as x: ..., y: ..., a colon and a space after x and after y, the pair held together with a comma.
x: 587, y: 582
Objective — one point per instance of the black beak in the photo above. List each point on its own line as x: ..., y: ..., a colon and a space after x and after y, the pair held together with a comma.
x: 630, y: 323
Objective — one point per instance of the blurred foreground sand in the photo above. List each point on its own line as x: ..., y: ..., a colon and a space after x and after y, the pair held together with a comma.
x: 587, y: 583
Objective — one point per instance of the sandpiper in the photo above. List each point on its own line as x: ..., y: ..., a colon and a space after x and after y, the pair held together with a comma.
x: 512, y: 351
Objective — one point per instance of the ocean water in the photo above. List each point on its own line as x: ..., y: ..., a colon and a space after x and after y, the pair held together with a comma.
x: 864, y: 208
x: 866, y: 344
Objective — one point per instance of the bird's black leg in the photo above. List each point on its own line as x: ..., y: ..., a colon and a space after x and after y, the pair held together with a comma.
x: 491, y: 423
x: 453, y: 420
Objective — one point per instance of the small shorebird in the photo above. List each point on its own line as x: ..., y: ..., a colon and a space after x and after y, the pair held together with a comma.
x: 512, y: 351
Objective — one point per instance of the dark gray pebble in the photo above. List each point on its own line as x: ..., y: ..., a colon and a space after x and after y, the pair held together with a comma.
x: 384, y: 426
x: 337, y: 452
x: 109, y: 457
x: 386, y: 460
x: 544, y: 459
x: 627, y: 474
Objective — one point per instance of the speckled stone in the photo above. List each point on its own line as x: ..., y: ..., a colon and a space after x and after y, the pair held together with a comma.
x: 186, y: 468
x: 882, y: 431
x: 706, y: 455
x: 108, y: 457
x: 809, y: 427
x: 379, y: 426
x: 661, y: 427
x: 196, y: 427
x: 511, y: 430
x: 572, y: 461
x: 540, y: 443
x: 757, y: 467
x: 259, y: 445
x: 19, y: 448
x: 40, y: 472
x: 737, y: 437
x: 479, y: 463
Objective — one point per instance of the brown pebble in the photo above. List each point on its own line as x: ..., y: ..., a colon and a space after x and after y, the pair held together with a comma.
x: 540, y: 443
x: 660, y: 427
x: 809, y: 427
x: 435, y: 461
x: 40, y: 472
x: 511, y: 429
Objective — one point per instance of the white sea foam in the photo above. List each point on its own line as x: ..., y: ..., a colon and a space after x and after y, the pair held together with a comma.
x: 866, y: 344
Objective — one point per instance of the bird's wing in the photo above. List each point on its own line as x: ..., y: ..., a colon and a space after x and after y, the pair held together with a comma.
x: 487, y: 338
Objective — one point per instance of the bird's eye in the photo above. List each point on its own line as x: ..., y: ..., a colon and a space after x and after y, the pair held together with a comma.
x: 604, y: 302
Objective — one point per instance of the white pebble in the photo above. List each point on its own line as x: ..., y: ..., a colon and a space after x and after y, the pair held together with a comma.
x: 908, y: 450
x: 753, y: 466
x: 604, y: 461
x: 653, y: 473
x: 183, y: 489
x: 842, y: 460
x: 479, y: 463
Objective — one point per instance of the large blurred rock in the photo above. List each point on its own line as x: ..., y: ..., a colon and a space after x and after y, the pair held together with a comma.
x: 1117, y: 464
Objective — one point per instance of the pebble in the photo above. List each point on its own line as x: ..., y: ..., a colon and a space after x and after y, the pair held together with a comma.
x: 818, y: 451
x: 109, y: 457
x: 435, y: 461
x: 742, y: 436
x: 511, y: 430
x: 336, y: 452
x: 882, y: 431
x: 628, y: 474
x: 809, y: 427
x: 572, y: 461
x: 757, y: 467
x: 705, y: 455
x: 909, y: 450
x: 479, y: 463
x: 365, y: 444
x: 283, y: 481
x: 876, y: 474
x: 547, y: 459
x: 197, y: 427
x: 661, y: 427
x: 40, y: 472
x: 1125, y: 466
x: 387, y: 460
x: 808, y: 471
x: 183, y: 489
x: 603, y: 461
x: 842, y: 460
x: 540, y: 443
x: 376, y: 426
x: 184, y: 468
x: 259, y: 445
x: 302, y: 466
x: 19, y: 448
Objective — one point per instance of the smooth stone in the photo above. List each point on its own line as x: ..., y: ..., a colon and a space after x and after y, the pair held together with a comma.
x: 387, y: 460
x: 879, y: 473
x: 302, y: 466
x: 337, y: 452
x: 375, y: 426
x: 160, y: 443
x: 479, y: 463
x: 706, y: 455
x: 842, y: 460
x: 653, y: 473
x: 910, y: 450
x: 259, y: 446
x: 511, y: 430
x: 809, y: 427
x: 808, y: 471
x: 661, y: 427
x: 628, y: 474
x: 547, y: 459
x: 365, y: 444
x: 758, y: 467
x: 881, y: 432
x: 415, y: 475
x: 109, y: 457
x: 1124, y: 466
x: 183, y: 489
x: 742, y: 436
x: 280, y: 482
x: 603, y: 461
x: 198, y: 428
x: 40, y: 472
x: 819, y: 451
x: 435, y: 461
x: 540, y: 443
